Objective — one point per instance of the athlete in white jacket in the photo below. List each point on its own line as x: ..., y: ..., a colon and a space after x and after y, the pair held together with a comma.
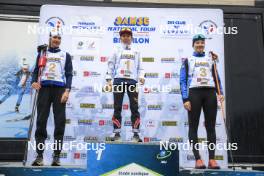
x: 124, y: 71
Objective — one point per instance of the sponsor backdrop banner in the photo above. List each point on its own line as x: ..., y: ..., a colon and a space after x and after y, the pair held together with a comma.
x: 164, y: 37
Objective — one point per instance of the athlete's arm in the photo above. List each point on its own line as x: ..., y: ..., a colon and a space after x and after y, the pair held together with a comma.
x: 68, y: 71
x: 111, y: 67
x: 184, y: 81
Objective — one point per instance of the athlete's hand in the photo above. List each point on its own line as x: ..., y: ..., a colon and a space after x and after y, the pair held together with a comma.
x: 108, y: 87
x: 42, y: 47
x: 65, y: 96
x: 221, y: 98
x: 187, y: 105
x: 214, y: 56
x: 142, y: 81
x: 36, y: 85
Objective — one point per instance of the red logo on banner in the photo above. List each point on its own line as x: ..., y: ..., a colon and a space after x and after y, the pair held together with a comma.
x: 146, y: 90
x: 146, y: 139
x: 77, y: 155
x: 103, y: 59
x: 167, y: 75
x: 125, y: 106
x: 86, y: 73
x: 101, y: 122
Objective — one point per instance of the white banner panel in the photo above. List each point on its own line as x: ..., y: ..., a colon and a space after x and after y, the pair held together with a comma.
x: 164, y: 37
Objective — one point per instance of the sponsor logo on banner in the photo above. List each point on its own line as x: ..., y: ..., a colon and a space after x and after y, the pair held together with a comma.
x: 127, y: 123
x: 91, y: 74
x: 219, y: 157
x: 125, y: 106
x: 68, y: 121
x: 140, y: 26
x: 154, y: 107
x: 151, y: 90
x: 151, y: 75
x: 69, y: 105
x: 84, y: 45
x: 151, y: 139
x: 82, y: 25
x: 169, y: 123
x: 85, y: 122
x: 168, y: 60
x: 190, y: 157
x: 174, y: 107
x: 74, y: 73
x: 79, y: 156
x: 63, y: 155
x: 148, y: 59
x: 103, y: 59
x: 69, y: 138
x: 200, y: 140
x: 90, y: 138
x: 108, y: 106
x: 175, y: 27
x: 53, y: 22
x: 172, y: 75
x: 150, y: 124
x: 218, y: 124
x: 87, y: 105
x: 86, y: 58
x: 175, y: 91
x: 85, y: 90
x: 86, y: 25
x: 176, y: 140
x: 74, y: 88
x: 208, y: 27
x: 101, y: 122
x: 105, y: 123
x: 218, y: 139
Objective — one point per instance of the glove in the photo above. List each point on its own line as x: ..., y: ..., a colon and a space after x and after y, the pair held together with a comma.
x: 42, y: 47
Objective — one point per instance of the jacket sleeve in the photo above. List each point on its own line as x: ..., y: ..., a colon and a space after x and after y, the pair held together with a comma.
x: 68, y: 71
x: 111, y: 67
x: 35, y: 71
x: 141, y: 72
x: 219, y: 80
x: 184, y: 81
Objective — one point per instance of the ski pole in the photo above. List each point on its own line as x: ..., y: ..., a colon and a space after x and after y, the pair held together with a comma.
x: 223, y: 112
x: 41, y: 65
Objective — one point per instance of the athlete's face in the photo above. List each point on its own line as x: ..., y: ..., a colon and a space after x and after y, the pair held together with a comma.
x: 199, y: 46
x: 24, y: 70
x: 55, y: 41
x: 126, y: 39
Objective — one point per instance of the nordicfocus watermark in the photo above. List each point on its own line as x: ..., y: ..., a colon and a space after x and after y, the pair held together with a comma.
x: 66, y: 146
x: 204, y: 145
x: 124, y: 86
x: 165, y: 30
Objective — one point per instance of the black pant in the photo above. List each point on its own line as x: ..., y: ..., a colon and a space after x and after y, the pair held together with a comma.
x: 118, y: 102
x: 46, y: 97
x: 202, y: 98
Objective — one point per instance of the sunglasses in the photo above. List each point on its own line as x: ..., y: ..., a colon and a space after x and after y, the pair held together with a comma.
x: 56, y: 37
